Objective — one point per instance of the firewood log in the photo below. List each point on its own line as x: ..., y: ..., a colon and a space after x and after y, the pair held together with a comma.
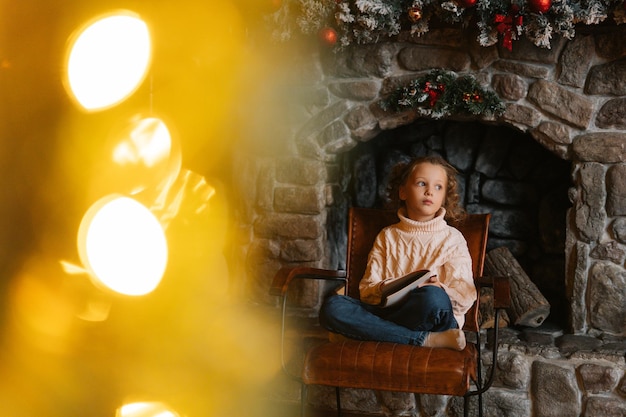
x: 528, y: 306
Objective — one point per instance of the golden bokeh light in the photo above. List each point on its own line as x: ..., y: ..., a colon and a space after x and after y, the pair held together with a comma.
x: 142, y: 156
x: 123, y: 246
x: 145, y: 409
x: 108, y: 60
x: 107, y: 149
x: 149, y: 141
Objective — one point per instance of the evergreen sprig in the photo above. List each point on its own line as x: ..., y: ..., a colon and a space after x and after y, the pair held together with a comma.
x: 370, y: 21
x: 442, y: 93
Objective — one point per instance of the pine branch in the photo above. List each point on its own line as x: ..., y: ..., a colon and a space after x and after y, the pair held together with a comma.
x: 370, y: 21
x: 440, y: 93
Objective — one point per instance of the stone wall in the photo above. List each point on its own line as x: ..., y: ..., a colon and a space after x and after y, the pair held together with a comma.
x: 571, y: 99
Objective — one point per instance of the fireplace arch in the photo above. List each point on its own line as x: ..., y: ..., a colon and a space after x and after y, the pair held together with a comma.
x: 501, y: 171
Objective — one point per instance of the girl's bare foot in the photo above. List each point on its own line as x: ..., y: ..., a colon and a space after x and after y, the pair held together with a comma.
x: 451, y: 339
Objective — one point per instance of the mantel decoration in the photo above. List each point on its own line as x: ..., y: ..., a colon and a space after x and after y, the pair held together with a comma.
x: 340, y: 23
x: 441, y: 93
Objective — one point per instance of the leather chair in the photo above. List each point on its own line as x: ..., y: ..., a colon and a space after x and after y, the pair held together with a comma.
x: 390, y: 366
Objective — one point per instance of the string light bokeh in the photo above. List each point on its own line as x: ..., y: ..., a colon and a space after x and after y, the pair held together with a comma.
x: 157, y: 145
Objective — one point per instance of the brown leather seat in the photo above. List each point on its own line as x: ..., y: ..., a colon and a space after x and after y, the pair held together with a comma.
x: 391, y: 366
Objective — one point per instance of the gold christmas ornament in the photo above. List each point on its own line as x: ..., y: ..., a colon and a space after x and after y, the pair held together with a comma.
x: 415, y: 14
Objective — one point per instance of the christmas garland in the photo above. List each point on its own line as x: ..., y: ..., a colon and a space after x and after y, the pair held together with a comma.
x: 442, y: 93
x: 344, y: 22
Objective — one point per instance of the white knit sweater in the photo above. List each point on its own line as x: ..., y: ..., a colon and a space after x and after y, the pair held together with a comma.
x: 410, y: 245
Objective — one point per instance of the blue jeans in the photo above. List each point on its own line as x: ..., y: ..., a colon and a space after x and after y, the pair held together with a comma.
x: 426, y: 309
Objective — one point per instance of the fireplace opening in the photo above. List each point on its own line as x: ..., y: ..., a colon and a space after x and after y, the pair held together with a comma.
x: 501, y: 171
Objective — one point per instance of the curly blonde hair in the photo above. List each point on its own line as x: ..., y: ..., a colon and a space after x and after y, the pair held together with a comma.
x: 401, y: 173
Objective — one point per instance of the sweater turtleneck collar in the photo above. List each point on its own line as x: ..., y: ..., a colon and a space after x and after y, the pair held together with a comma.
x: 434, y: 225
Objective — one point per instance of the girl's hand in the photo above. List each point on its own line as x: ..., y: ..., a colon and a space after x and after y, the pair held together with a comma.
x: 433, y: 280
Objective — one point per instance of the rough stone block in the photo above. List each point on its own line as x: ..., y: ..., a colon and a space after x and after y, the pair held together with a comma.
x: 362, y: 123
x: 509, y: 86
x: 576, y: 284
x: 575, y: 61
x: 554, y: 390
x: 432, y: 405
x: 301, y: 171
x: 607, y: 294
x: 396, y: 403
x: 598, y: 378
x: 360, y: 90
x: 619, y: 229
x: 616, y: 190
x: 607, y: 79
x: 322, y: 119
x: 521, y: 115
x: 292, y: 226
x: 301, y: 251
x: 333, y: 134
x: 417, y: 58
x: 555, y: 137
x: 602, y: 406
x: 589, y: 209
x: 359, y: 400
x: 390, y: 121
x: 509, y: 403
x: 513, y: 371
x: 561, y: 102
x: 609, y: 251
x: 368, y: 60
x: 306, y: 200
x: 604, y: 147
x: 612, y: 114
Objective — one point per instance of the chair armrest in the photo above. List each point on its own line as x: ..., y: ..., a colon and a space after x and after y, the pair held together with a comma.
x: 285, y: 276
x: 280, y: 286
x: 501, y: 290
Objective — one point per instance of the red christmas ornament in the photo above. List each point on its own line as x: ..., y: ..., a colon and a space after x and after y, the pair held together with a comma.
x: 466, y: 3
x: 540, y: 6
x: 328, y: 36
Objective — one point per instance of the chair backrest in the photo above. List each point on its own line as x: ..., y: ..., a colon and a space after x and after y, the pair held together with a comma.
x: 365, y: 224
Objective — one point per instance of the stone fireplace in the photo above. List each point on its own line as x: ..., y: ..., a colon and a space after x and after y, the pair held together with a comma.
x: 569, y: 100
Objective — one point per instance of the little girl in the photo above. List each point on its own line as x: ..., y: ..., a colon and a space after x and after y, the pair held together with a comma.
x: 433, y: 314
